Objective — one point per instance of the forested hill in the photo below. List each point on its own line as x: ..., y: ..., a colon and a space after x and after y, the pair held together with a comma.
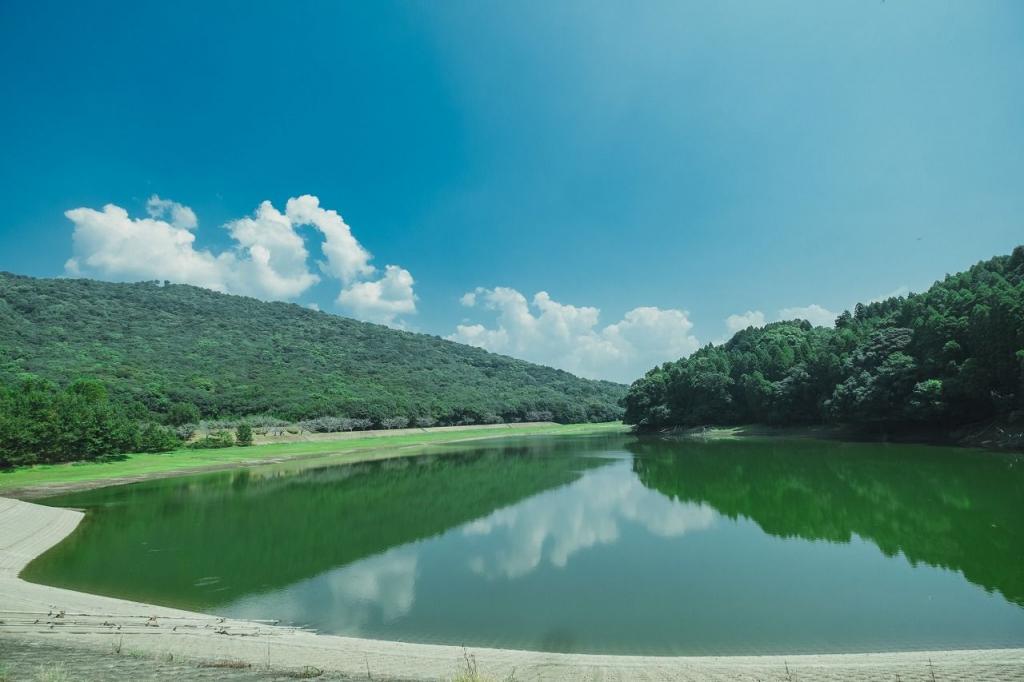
x: 158, y: 347
x: 949, y: 356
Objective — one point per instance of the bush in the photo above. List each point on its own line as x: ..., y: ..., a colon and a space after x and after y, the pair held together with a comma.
x: 156, y: 438
x: 182, y: 413
x: 185, y: 431
x: 42, y: 423
x: 243, y: 435
x: 217, y: 439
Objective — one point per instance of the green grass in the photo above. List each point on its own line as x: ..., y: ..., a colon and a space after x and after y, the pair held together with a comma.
x: 347, y: 450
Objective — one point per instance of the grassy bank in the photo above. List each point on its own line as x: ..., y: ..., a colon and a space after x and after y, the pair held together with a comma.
x: 348, y: 449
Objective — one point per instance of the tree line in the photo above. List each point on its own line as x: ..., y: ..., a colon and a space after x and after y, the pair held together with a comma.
x: 42, y: 423
x: 949, y: 356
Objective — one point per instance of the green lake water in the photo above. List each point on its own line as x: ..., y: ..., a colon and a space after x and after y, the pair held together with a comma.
x: 611, y: 544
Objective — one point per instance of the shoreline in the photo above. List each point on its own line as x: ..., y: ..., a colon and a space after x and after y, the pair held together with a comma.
x: 48, y: 480
x: 990, y: 436
x: 29, y: 611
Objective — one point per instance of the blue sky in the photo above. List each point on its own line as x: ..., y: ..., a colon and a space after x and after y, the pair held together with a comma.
x: 667, y: 164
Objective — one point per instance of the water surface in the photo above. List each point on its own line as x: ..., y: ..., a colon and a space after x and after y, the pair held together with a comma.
x: 596, y: 544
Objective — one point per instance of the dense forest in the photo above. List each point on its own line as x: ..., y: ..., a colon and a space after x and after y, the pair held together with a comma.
x: 137, y: 356
x: 949, y: 356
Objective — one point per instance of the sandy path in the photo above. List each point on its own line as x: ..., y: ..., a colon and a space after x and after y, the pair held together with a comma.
x: 103, y: 623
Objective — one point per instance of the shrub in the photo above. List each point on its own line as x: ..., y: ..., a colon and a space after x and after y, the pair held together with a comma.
x: 185, y: 431
x: 182, y: 413
x: 156, y: 438
x: 243, y: 435
x: 217, y: 439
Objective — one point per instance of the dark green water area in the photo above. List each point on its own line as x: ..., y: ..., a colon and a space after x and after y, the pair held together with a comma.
x: 610, y: 544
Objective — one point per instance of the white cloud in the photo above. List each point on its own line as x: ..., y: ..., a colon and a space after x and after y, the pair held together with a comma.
x: 382, y: 300
x: 110, y: 244
x: 751, y: 318
x: 276, y: 264
x: 346, y: 257
x: 898, y: 291
x: 269, y: 259
x: 181, y: 216
x: 568, y: 336
x: 814, y: 313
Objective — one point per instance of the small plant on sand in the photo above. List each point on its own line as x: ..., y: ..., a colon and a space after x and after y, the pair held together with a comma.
x: 228, y: 663
x: 307, y: 672
x: 470, y: 671
x: 52, y: 673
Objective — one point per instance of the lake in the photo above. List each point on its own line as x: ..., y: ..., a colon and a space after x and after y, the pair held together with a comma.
x: 605, y: 544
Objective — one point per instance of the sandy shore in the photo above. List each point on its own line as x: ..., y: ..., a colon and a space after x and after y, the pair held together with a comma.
x: 37, y: 612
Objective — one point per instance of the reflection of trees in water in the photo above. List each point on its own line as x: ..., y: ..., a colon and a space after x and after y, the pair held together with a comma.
x: 952, y: 508
x: 259, y: 530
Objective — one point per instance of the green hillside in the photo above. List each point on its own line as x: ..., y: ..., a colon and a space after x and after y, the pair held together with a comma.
x: 158, y: 347
x: 951, y: 355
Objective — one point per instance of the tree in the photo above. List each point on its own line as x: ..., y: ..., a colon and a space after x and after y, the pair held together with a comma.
x: 948, y: 356
x: 243, y: 434
x: 182, y: 413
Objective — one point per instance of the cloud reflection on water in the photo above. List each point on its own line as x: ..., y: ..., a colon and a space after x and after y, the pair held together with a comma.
x: 379, y: 588
x: 508, y: 543
x: 558, y: 523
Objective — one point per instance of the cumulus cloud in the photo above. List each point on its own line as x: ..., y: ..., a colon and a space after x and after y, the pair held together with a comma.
x: 898, y: 291
x: 180, y: 216
x: 381, y: 300
x: 110, y: 244
x: 566, y: 336
x: 275, y: 263
x: 268, y: 260
x: 346, y: 257
x: 814, y: 313
x: 751, y: 318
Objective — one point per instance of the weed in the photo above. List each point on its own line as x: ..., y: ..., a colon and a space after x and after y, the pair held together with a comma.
x: 307, y: 672
x: 225, y: 663
x: 470, y: 671
x: 52, y: 673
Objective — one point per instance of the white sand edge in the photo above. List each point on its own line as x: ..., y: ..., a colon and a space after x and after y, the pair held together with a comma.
x: 38, y: 611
